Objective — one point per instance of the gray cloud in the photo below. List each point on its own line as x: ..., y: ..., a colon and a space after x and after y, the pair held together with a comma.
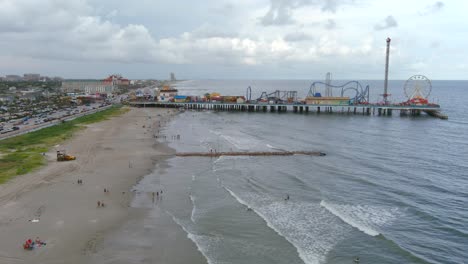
x: 434, y: 44
x: 331, y: 24
x: 434, y: 8
x: 225, y: 9
x: 211, y: 31
x: 330, y: 5
x: 280, y: 13
x: 297, y: 36
x: 389, y: 22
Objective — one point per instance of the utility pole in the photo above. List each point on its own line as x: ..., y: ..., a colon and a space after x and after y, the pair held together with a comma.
x: 385, y: 94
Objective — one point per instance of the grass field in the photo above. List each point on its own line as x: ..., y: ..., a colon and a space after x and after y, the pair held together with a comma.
x: 22, y: 154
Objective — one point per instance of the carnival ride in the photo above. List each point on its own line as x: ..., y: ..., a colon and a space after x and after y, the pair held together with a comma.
x: 248, y: 94
x: 417, y: 89
x: 278, y: 97
x: 359, y: 94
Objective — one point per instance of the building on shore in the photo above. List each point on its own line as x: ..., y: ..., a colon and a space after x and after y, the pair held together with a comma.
x: 87, y: 87
x: 117, y: 80
x: 31, y: 77
x: 13, y: 78
x: 113, y: 83
x: 167, y: 93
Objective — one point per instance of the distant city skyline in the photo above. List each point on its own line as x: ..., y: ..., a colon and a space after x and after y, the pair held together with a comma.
x: 263, y: 39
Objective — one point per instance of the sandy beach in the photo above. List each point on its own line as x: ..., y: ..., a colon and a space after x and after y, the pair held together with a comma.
x: 114, y: 154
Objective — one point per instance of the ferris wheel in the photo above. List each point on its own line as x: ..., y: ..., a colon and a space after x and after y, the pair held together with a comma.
x: 418, y: 87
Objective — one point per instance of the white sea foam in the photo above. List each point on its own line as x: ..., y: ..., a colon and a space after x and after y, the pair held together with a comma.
x: 203, y: 243
x: 305, y: 225
x: 368, y: 219
x: 192, y: 216
x: 222, y: 159
x: 238, y: 143
x: 236, y: 197
x: 272, y: 147
x: 238, y: 139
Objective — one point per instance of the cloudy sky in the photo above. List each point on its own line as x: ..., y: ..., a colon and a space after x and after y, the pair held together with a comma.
x: 234, y: 39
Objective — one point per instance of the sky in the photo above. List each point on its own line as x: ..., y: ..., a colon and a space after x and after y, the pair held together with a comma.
x: 234, y: 39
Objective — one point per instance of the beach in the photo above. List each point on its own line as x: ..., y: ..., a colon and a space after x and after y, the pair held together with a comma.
x: 49, y: 203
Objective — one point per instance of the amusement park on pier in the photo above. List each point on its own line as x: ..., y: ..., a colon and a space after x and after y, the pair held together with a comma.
x: 350, y: 97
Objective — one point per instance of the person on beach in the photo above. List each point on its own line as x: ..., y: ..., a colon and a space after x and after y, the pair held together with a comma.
x: 98, y: 203
x: 39, y: 242
x: 287, y: 197
x: 28, y: 245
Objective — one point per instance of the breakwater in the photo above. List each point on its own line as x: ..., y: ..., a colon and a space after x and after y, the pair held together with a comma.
x: 250, y: 153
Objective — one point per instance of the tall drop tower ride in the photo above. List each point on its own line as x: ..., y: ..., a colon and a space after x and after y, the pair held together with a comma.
x: 385, y: 94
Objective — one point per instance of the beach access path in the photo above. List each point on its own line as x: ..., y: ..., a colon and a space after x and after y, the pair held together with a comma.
x: 51, y: 205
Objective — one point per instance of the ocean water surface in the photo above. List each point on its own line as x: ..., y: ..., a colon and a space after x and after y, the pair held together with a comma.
x: 390, y: 190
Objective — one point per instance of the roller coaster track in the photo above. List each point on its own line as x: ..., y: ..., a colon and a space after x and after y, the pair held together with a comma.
x: 361, y: 96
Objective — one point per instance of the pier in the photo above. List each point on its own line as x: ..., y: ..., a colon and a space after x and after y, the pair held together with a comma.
x: 246, y: 153
x: 363, y: 109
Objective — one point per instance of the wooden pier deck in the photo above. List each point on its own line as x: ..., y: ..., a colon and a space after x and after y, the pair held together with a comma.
x: 364, y: 109
x: 247, y: 153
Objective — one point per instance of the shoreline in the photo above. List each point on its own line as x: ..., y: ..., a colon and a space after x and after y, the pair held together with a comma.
x: 113, y: 154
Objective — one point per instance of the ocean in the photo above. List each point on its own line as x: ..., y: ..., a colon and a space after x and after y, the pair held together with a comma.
x: 390, y: 189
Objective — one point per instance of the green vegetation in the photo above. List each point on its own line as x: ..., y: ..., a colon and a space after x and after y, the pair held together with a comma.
x: 22, y: 154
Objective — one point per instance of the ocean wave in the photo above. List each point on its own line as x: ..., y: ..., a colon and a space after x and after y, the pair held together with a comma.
x: 272, y: 147
x: 239, y: 140
x: 237, y: 197
x: 238, y: 143
x: 194, y: 209
x: 201, y: 242
x: 227, y: 158
x: 368, y: 219
x: 302, y: 224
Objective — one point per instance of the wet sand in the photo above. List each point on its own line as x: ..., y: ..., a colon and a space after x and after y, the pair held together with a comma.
x: 114, y: 154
